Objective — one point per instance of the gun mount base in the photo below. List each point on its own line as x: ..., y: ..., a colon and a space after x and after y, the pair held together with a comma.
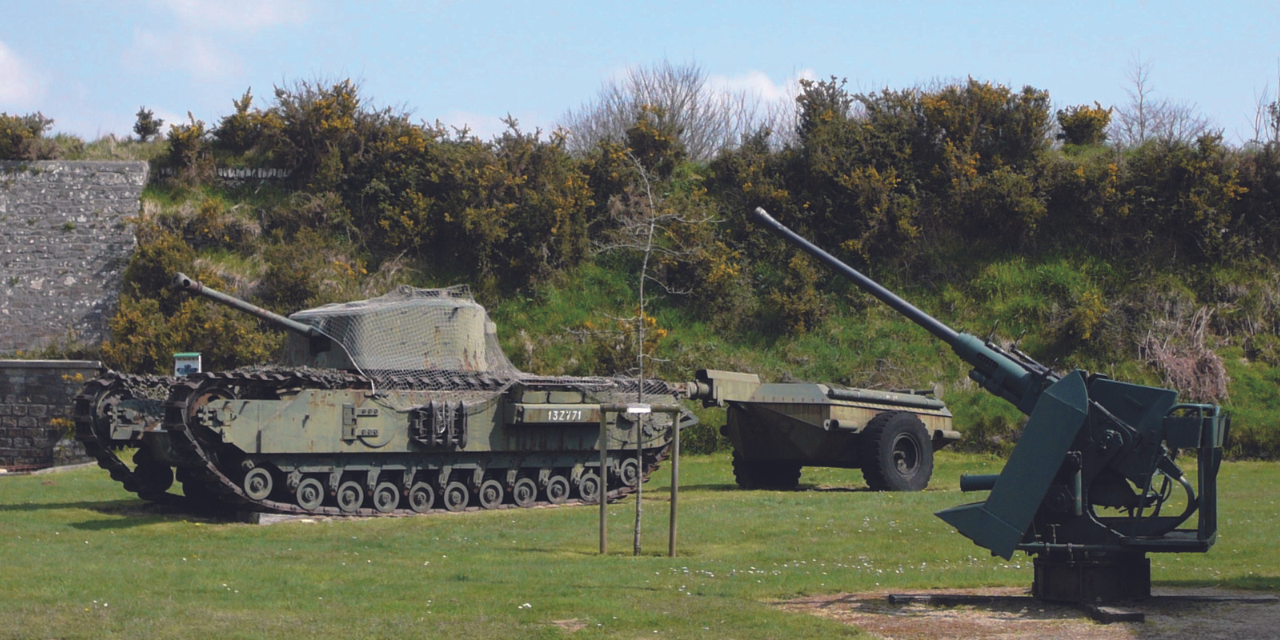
x: 1109, y: 577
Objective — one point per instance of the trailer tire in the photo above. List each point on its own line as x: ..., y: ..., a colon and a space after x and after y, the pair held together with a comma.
x: 755, y: 474
x: 898, y: 454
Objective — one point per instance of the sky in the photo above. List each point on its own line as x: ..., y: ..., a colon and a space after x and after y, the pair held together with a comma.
x: 91, y: 64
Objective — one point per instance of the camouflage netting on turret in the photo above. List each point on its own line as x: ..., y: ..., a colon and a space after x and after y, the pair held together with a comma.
x: 438, y: 339
x: 412, y: 329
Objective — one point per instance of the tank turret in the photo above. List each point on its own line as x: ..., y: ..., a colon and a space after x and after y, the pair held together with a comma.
x: 407, y: 329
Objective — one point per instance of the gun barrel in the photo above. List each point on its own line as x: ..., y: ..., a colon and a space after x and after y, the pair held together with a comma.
x: 930, y: 324
x: 194, y: 287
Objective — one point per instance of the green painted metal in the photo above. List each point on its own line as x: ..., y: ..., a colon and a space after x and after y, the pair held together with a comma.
x: 999, y: 523
x: 788, y: 426
x: 400, y: 403
x: 1087, y: 486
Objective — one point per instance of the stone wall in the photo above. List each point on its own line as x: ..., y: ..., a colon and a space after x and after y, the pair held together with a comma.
x: 36, y: 402
x: 64, y: 243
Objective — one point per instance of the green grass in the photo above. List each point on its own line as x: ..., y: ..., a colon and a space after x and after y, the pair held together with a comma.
x: 84, y: 559
x: 110, y: 148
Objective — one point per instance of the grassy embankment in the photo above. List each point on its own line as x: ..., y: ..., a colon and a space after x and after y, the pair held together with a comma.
x: 85, y: 559
x: 1074, y: 309
x: 861, y: 342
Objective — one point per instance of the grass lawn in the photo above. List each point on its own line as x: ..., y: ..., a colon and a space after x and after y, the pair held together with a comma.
x: 82, y: 558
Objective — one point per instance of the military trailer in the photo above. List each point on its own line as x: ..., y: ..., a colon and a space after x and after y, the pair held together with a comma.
x: 778, y: 428
x: 402, y: 403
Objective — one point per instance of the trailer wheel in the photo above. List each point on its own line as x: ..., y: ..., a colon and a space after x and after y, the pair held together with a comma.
x: 756, y: 474
x: 898, y: 454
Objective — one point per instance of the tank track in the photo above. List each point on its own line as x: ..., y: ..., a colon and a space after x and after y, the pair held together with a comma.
x: 99, y: 395
x: 201, y: 468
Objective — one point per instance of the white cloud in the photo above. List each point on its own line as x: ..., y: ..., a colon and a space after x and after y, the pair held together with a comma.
x: 19, y: 87
x: 195, y: 53
x: 759, y: 84
x: 199, y: 42
x: 203, y: 32
x: 238, y: 15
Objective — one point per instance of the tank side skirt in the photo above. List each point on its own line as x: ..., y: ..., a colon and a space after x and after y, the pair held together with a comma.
x: 202, y: 467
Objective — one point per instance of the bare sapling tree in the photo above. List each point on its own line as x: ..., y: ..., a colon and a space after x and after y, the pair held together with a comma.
x: 1266, y: 115
x: 645, y: 224
x: 1147, y: 118
x: 709, y: 118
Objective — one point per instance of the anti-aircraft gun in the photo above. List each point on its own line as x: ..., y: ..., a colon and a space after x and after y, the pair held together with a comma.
x: 1091, y: 446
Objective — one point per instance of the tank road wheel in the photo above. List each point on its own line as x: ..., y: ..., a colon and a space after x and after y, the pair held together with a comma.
x: 629, y: 472
x: 491, y: 494
x: 310, y: 494
x: 524, y: 493
x: 589, y: 487
x: 386, y: 497
x: 198, y: 495
x: 755, y: 474
x: 456, y: 496
x: 421, y: 497
x: 350, y: 496
x: 899, y: 454
x: 557, y: 489
x: 152, y: 478
x: 258, y: 483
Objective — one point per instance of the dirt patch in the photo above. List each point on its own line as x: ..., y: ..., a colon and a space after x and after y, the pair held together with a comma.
x: 1010, y: 617
x: 571, y: 625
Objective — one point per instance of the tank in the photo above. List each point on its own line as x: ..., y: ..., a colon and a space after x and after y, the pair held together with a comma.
x: 776, y: 429
x: 398, y: 404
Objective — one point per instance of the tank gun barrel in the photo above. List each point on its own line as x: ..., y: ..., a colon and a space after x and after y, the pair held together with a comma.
x: 192, y: 286
x: 1012, y: 376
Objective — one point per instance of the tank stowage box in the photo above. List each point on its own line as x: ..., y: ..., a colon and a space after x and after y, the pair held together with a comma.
x: 778, y: 428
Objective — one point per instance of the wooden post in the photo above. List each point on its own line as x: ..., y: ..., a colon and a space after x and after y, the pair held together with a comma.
x: 635, y: 545
x: 675, y: 482
x: 635, y: 412
x: 604, y: 476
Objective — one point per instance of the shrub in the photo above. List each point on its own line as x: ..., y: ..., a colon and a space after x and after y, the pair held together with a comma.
x: 1084, y: 125
x: 612, y: 344
x: 307, y: 270
x: 247, y: 130
x: 796, y: 301
x: 189, y: 154
x: 654, y: 141
x: 147, y: 125
x: 153, y: 321
x: 22, y: 137
x: 1183, y: 195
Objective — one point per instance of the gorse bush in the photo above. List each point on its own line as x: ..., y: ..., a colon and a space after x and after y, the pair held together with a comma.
x: 1084, y: 125
x: 153, y: 321
x: 23, y: 137
x: 975, y: 199
x: 190, y: 156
